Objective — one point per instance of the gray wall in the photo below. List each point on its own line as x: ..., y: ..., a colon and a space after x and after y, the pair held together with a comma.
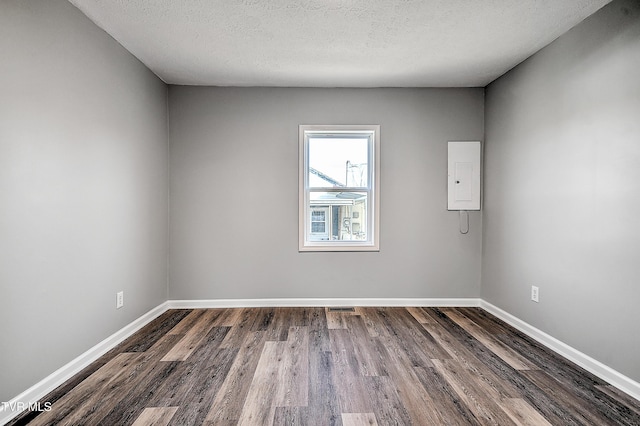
x: 562, y: 188
x: 83, y: 188
x: 234, y: 194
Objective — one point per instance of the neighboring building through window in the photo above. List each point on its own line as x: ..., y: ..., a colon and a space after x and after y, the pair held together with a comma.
x: 339, y: 194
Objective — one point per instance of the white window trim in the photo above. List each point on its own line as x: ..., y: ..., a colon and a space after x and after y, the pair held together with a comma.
x: 373, y: 209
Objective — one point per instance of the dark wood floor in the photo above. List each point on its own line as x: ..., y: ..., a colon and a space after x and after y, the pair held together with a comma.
x: 309, y: 366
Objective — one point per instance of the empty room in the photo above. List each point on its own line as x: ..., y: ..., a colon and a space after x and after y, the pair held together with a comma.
x: 319, y: 212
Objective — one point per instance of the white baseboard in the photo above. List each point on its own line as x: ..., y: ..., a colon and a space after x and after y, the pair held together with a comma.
x: 64, y: 373
x: 321, y: 302
x: 594, y: 366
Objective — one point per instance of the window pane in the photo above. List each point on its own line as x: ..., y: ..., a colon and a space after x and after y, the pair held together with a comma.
x: 337, y: 162
x: 348, y: 212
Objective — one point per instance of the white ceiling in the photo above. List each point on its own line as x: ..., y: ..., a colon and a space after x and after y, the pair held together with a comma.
x: 335, y: 43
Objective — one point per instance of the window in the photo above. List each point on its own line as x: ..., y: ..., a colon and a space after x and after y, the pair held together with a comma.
x: 319, y: 224
x: 339, y: 188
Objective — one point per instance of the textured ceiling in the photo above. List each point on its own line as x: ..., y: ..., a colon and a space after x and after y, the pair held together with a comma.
x: 335, y: 43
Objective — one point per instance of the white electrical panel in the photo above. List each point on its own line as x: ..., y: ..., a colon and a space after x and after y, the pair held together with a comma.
x: 464, y: 176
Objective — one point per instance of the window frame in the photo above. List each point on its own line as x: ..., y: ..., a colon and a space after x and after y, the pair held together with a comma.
x: 372, y: 243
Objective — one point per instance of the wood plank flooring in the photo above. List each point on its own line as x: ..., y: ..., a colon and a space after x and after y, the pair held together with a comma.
x: 311, y: 366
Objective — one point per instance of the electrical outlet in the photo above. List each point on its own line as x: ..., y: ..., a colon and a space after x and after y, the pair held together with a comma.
x: 119, y: 299
x: 535, y: 292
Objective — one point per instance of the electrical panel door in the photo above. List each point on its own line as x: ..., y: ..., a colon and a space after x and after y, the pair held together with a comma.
x: 464, y: 176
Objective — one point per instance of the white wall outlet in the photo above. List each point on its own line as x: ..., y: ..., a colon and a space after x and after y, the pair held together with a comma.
x: 119, y: 299
x: 535, y: 293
